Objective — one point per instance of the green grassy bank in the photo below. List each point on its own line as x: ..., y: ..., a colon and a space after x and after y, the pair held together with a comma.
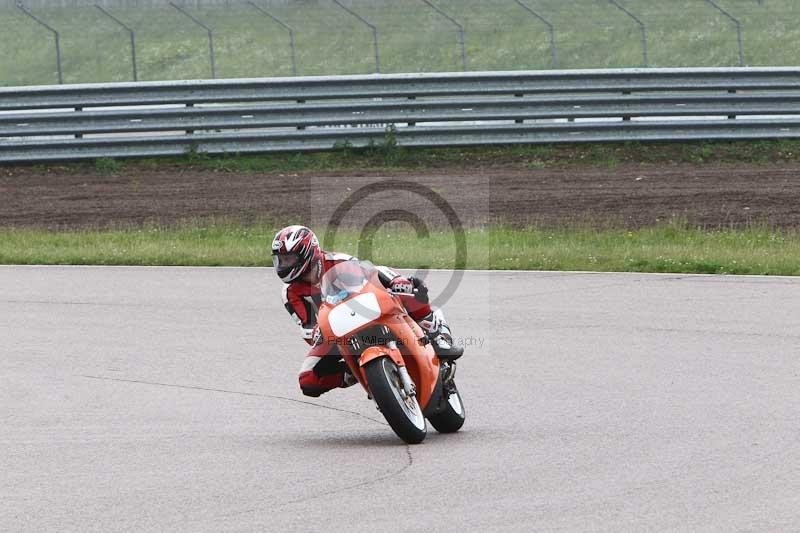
x: 668, y: 248
x: 412, y: 37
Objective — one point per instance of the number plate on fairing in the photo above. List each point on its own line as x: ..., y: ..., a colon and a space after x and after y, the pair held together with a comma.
x: 354, y: 313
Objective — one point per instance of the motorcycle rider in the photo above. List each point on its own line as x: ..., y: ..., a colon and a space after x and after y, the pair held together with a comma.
x: 300, y: 263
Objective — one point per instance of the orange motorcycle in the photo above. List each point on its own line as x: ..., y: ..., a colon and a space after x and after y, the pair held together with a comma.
x: 388, y: 352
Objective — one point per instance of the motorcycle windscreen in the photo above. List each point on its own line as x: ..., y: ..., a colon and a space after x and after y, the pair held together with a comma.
x: 347, y: 278
x: 354, y: 313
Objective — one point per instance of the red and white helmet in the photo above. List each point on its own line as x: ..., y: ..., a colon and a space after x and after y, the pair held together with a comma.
x: 295, y: 250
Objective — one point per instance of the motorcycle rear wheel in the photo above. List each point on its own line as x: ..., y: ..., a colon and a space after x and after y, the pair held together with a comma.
x: 402, y: 412
x: 452, y: 417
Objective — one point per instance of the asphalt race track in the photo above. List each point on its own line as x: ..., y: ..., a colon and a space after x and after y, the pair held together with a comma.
x: 165, y: 399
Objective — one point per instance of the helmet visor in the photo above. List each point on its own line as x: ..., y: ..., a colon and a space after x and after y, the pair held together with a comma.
x: 285, y: 262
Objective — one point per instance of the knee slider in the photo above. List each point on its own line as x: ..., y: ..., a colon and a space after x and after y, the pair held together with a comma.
x: 309, y: 385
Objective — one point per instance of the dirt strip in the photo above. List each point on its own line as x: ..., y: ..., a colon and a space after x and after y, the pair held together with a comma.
x: 622, y: 196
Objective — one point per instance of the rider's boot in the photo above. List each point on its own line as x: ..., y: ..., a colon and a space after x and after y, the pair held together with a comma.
x: 441, y: 338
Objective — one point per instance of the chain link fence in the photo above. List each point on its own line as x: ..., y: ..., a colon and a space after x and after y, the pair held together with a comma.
x: 76, y: 41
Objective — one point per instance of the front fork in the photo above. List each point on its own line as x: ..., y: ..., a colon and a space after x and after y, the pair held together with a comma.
x: 408, y: 385
x: 409, y: 388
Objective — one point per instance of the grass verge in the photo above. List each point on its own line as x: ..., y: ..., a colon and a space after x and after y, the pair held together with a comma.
x: 670, y: 248
x: 499, y: 35
x: 390, y: 157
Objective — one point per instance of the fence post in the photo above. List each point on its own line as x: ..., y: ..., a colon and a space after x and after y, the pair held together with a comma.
x: 460, y: 32
x: 210, y: 36
x: 287, y: 28
x: 130, y: 33
x: 24, y: 9
x: 642, y: 27
x: 738, y: 28
x: 374, y: 33
x: 550, y: 28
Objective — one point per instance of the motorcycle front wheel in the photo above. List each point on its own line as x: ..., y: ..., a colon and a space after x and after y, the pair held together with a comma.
x: 400, y: 410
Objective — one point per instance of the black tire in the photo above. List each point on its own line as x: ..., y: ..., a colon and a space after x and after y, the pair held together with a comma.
x: 452, y: 417
x: 384, y: 384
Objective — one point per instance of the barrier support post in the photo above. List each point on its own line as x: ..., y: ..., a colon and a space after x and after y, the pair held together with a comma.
x: 550, y: 28
x: 130, y: 34
x: 210, y: 36
x: 738, y: 25
x: 284, y: 26
x: 372, y: 27
x: 642, y: 28
x: 460, y: 28
x: 24, y: 9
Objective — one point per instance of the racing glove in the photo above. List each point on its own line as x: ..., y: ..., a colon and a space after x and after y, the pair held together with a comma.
x: 410, y: 285
x: 311, y: 334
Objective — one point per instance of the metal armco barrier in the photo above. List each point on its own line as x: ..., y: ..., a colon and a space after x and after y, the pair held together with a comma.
x: 459, y: 109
